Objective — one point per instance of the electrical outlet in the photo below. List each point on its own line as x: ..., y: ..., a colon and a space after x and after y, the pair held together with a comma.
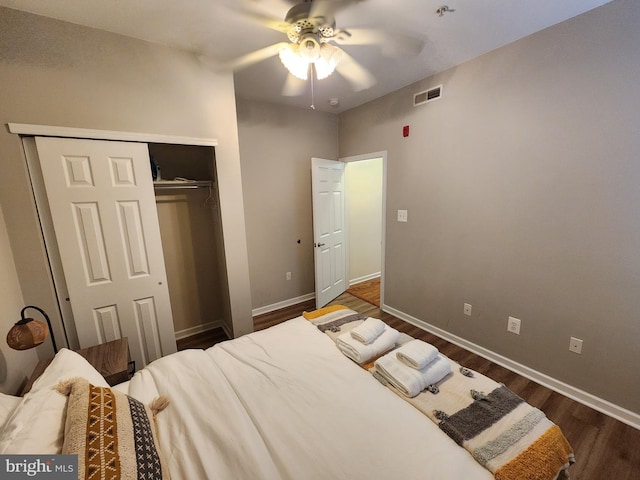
x: 513, y: 325
x: 402, y: 215
x: 575, y: 345
x: 288, y: 275
x: 467, y: 309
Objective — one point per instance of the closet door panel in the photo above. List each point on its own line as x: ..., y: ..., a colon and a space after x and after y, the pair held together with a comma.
x: 93, y: 252
x: 147, y: 323
x: 103, y: 209
x: 133, y: 242
x: 107, y: 323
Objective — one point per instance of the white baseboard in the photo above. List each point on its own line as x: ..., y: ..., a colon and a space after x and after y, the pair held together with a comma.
x: 283, y: 304
x: 588, y: 399
x: 365, y: 278
x: 204, y: 327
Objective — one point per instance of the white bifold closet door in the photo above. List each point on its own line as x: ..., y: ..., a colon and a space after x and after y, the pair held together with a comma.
x: 102, y: 204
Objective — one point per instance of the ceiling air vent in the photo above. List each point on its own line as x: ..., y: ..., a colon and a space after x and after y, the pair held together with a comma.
x: 427, y: 96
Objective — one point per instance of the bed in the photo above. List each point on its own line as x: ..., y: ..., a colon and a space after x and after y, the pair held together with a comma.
x: 282, y: 403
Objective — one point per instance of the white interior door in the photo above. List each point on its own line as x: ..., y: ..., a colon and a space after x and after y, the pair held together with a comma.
x: 104, y: 214
x: 327, y: 181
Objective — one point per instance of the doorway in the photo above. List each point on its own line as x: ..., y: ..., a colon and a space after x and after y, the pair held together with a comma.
x: 365, y: 181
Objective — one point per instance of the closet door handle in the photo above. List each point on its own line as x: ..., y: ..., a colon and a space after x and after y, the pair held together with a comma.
x: 319, y: 244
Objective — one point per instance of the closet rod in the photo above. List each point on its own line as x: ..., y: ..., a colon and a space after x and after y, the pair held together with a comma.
x: 182, y: 185
x: 174, y: 187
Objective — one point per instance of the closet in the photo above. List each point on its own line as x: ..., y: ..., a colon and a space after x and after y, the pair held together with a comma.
x: 129, y: 256
x: 190, y: 227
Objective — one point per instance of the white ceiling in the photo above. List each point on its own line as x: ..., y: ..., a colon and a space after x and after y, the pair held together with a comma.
x: 218, y: 30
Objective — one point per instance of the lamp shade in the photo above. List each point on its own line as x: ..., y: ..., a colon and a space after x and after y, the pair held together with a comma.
x: 27, y: 333
x: 327, y: 61
x: 291, y: 59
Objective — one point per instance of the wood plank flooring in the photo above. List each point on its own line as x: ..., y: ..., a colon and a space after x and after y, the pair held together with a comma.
x: 369, y: 291
x: 202, y: 340
x: 604, y: 447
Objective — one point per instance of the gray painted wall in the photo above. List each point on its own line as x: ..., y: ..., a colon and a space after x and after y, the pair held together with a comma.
x: 276, y: 146
x: 522, y: 185
x: 15, y: 365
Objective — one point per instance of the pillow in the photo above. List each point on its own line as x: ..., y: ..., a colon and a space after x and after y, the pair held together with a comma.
x: 37, y: 424
x: 113, y: 434
x: 8, y: 404
x: 122, y: 387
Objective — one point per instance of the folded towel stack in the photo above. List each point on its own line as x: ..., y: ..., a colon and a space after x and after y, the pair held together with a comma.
x: 368, y: 330
x: 362, y: 353
x: 408, y: 380
x: 417, y: 354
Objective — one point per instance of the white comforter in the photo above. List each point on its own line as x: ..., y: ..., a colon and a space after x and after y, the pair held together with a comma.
x: 284, y: 403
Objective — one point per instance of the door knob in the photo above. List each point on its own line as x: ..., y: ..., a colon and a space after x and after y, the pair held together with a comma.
x: 320, y: 245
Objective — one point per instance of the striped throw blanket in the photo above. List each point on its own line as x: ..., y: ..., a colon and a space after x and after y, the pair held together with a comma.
x: 334, y: 320
x: 506, y: 435
x: 509, y: 437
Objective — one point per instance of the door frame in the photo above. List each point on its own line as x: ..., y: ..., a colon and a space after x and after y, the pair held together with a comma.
x: 25, y: 129
x: 64, y: 329
x: 370, y: 156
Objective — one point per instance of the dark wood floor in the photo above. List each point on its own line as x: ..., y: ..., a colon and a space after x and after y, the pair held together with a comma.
x: 604, y: 447
x: 369, y: 291
x: 202, y: 340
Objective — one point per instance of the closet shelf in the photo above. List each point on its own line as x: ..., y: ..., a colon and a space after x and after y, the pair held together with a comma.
x: 177, y: 184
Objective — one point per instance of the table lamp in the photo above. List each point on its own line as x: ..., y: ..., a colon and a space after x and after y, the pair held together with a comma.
x: 28, y: 332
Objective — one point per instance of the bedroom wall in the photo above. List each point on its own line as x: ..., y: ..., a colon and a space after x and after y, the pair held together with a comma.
x: 276, y: 146
x: 522, y: 188
x: 58, y: 73
x: 15, y: 365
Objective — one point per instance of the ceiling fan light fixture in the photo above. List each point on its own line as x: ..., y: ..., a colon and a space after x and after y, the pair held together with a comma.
x: 297, y: 57
x: 309, y: 48
x: 291, y: 59
x: 328, y: 60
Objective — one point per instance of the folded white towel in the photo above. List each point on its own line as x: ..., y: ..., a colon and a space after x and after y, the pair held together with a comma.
x: 410, y: 381
x: 361, y: 353
x: 368, y: 330
x: 417, y: 354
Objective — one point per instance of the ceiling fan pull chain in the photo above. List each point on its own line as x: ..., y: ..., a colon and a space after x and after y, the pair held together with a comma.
x: 313, y: 99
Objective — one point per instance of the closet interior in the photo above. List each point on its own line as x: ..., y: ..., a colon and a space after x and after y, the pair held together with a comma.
x: 187, y: 200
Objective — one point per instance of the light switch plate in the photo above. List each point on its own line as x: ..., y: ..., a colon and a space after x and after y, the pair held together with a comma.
x: 402, y: 215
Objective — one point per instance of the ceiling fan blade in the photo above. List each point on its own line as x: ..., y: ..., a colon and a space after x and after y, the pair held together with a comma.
x: 269, y: 22
x: 293, y: 86
x: 254, y: 57
x: 328, y: 8
x: 359, y: 77
x: 392, y: 45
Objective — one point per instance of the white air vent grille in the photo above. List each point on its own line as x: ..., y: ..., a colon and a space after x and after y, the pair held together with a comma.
x: 427, y: 96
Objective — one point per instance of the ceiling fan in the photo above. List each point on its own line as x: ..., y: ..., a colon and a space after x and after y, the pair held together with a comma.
x: 313, y: 45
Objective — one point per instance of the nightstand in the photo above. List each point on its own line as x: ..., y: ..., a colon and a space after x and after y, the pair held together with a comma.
x: 111, y: 359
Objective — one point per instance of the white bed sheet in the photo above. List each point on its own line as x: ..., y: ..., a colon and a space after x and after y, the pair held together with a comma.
x: 284, y: 403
